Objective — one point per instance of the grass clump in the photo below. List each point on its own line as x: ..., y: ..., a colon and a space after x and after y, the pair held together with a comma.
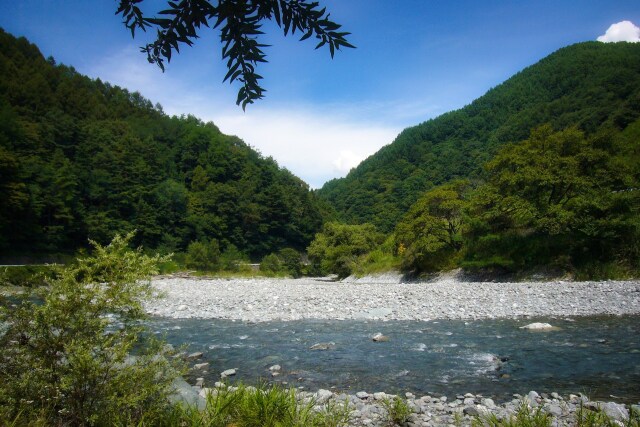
x: 397, y: 410
x: 525, y: 417
x: 589, y: 418
x: 264, y: 406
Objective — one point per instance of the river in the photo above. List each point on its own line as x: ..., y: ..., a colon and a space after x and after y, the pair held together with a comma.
x: 595, y: 355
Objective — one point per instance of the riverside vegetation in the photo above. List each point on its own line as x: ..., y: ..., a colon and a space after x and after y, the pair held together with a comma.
x: 75, y: 353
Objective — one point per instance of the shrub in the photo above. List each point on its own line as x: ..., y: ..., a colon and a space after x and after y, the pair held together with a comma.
x: 337, y: 248
x: 292, y: 261
x: 203, y: 255
x: 232, y: 259
x: 271, y: 264
x: 66, y: 355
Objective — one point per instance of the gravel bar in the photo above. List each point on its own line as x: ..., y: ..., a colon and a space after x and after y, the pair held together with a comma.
x: 264, y: 299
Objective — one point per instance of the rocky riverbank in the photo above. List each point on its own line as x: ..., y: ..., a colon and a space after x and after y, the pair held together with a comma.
x: 381, y: 409
x: 263, y: 299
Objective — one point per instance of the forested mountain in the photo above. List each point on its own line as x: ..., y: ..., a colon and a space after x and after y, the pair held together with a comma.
x: 80, y: 158
x: 588, y: 85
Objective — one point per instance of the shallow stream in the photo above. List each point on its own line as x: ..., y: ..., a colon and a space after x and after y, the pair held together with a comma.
x: 599, y: 356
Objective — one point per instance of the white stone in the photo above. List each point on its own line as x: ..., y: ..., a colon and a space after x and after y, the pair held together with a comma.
x: 227, y: 373
x: 537, y: 326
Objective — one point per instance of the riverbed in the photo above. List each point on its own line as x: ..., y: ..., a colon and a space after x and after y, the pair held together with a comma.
x: 445, y: 337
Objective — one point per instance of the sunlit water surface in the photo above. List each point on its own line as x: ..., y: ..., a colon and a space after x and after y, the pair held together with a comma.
x: 599, y: 356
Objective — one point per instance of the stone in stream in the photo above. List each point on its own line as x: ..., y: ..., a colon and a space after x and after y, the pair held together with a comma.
x: 323, y: 346
x: 201, y: 365
x: 378, y: 337
x: 196, y: 355
x: 275, y: 368
x: 362, y: 395
x: 227, y: 373
x: 537, y: 326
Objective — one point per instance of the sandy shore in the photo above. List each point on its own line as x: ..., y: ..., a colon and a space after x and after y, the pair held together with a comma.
x: 307, y: 298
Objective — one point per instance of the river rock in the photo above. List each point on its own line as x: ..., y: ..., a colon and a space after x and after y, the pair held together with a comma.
x: 615, y: 410
x: 275, y: 368
x: 378, y: 337
x: 183, y: 392
x: 195, y: 355
x: 375, y: 313
x: 227, y: 373
x: 323, y: 346
x: 537, y: 326
x: 199, y: 382
x: 489, y: 403
x: 471, y: 411
x: 362, y: 395
x: 555, y: 410
x: 201, y: 365
x: 533, y: 397
x: 322, y: 396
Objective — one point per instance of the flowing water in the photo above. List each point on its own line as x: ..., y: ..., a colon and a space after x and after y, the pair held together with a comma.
x: 599, y: 356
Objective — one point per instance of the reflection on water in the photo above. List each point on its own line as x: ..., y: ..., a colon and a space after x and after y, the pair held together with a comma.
x: 599, y: 356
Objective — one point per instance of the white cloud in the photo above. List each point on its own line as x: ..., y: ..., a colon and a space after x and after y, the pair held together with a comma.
x: 346, y: 161
x: 312, y: 144
x: 624, y: 31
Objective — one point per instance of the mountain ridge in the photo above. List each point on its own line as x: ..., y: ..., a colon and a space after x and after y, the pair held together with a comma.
x: 588, y: 85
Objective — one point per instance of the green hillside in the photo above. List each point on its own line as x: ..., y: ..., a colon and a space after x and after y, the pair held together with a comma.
x: 80, y: 158
x: 588, y: 85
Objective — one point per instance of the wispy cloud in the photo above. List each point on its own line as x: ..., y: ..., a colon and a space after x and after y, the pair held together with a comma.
x: 313, y: 145
x: 624, y: 31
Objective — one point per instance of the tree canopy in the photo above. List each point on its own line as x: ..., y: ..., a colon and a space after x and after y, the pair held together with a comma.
x: 84, y: 159
x: 240, y: 24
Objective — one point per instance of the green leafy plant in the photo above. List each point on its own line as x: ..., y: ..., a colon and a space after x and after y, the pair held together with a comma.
x: 75, y: 353
x: 397, y: 410
x: 339, y: 246
x: 204, y: 255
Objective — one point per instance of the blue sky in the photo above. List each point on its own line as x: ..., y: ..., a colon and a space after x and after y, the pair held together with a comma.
x: 415, y: 59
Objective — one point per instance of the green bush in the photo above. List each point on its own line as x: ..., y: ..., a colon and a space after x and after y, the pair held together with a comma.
x: 339, y: 246
x: 292, y: 261
x: 525, y: 417
x: 66, y: 357
x: 232, y: 259
x: 203, y: 255
x: 271, y: 264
